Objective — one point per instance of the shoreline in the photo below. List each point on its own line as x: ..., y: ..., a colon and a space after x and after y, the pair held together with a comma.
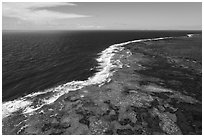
x: 26, y: 103
x: 125, y: 104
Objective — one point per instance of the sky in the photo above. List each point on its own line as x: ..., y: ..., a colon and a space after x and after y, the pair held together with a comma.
x: 102, y: 16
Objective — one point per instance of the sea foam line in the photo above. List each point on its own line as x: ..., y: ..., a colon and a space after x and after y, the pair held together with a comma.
x: 48, y: 96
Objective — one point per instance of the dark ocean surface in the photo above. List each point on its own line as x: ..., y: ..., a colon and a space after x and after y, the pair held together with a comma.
x: 33, y: 61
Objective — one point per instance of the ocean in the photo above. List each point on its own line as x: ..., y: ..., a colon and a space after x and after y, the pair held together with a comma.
x: 41, y: 62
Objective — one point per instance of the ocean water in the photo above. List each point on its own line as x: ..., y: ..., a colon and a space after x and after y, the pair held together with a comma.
x: 55, y: 62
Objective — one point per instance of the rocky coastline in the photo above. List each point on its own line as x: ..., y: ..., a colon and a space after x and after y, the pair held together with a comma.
x: 156, y: 91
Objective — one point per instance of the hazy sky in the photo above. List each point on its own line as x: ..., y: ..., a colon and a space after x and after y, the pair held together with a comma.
x: 88, y: 15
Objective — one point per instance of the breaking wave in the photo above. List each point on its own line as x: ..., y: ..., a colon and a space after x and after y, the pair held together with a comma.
x: 35, y: 101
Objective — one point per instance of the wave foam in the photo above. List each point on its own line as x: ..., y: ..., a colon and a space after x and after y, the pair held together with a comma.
x: 193, y: 35
x: 35, y: 101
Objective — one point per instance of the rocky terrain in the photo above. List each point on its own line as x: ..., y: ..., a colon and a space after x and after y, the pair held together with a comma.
x: 158, y: 90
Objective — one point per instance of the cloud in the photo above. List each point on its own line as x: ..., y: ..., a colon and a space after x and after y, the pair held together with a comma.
x: 80, y: 26
x: 37, y: 12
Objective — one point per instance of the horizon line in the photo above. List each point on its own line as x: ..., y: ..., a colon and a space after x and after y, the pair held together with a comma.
x: 104, y: 30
